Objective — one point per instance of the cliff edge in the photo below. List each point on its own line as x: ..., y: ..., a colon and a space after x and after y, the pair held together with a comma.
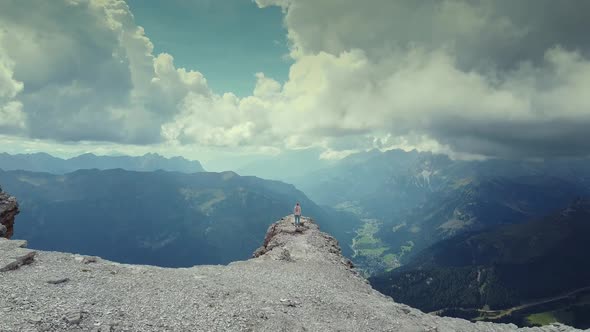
x: 297, y: 281
x: 8, y: 210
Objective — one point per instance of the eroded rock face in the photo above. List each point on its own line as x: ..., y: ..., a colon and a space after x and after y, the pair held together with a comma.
x: 8, y: 210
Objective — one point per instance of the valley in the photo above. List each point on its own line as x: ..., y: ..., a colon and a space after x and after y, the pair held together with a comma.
x: 394, y: 213
x: 371, y: 254
x: 158, y: 218
x: 569, y: 308
x: 409, y: 202
x: 517, y: 273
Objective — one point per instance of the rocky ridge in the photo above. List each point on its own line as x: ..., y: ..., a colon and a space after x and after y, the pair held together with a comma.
x: 8, y: 210
x: 297, y: 281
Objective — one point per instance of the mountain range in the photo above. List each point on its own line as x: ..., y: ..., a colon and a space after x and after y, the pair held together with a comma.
x: 415, y: 204
x: 393, y: 212
x: 158, y: 218
x: 411, y: 200
x: 43, y: 162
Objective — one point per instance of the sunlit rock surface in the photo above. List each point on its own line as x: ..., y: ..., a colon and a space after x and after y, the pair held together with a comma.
x: 298, y: 281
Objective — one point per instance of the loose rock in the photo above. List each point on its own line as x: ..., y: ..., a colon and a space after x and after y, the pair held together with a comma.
x: 318, y: 290
x: 74, y: 317
x: 58, y: 281
x: 89, y: 259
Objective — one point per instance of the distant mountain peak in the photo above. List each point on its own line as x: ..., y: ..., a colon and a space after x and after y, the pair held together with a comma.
x: 42, y: 162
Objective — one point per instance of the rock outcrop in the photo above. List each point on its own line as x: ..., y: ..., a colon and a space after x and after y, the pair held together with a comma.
x: 298, y: 281
x: 8, y: 210
x: 14, y: 254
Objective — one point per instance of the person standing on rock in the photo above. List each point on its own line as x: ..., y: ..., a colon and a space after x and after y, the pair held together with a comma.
x: 297, y: 213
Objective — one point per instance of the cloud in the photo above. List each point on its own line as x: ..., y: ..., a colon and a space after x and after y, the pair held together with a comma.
x: 502, y: 32
x: 467, y: 78
x: 12, y: 118
x: 225, y: 120
x: 489, y: 78
x: 89, y: 72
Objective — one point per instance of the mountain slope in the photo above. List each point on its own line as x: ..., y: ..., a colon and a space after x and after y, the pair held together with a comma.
x: 479, y: 205
x: 160, y: 218
x: 300, y: 283
x: 410, y: 200
x: 499, y: 268
x: 384, y: 184
x: 42, y: 162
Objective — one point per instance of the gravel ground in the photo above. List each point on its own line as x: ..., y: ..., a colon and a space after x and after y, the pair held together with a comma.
x: 298, y: 282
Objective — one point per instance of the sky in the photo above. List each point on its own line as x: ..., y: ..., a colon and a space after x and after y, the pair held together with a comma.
x: 228, y: 41
x: 230, y: 79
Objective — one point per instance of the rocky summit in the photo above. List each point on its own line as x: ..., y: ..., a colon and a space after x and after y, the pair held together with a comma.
x: 297, y: 281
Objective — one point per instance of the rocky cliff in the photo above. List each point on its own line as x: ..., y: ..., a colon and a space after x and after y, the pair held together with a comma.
x: 8, y: 210
x: 297, y: 281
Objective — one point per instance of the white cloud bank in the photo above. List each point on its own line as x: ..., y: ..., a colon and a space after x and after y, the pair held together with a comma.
x: 87, y: 72
x: 462, y: 77
x: 11, y: 115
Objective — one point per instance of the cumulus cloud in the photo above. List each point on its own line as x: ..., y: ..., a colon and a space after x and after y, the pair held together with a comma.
x: 502, y: 32
x: 468, y: 78
x: 498, y: 78
x: 89, y: 72
x: 12, y: 118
